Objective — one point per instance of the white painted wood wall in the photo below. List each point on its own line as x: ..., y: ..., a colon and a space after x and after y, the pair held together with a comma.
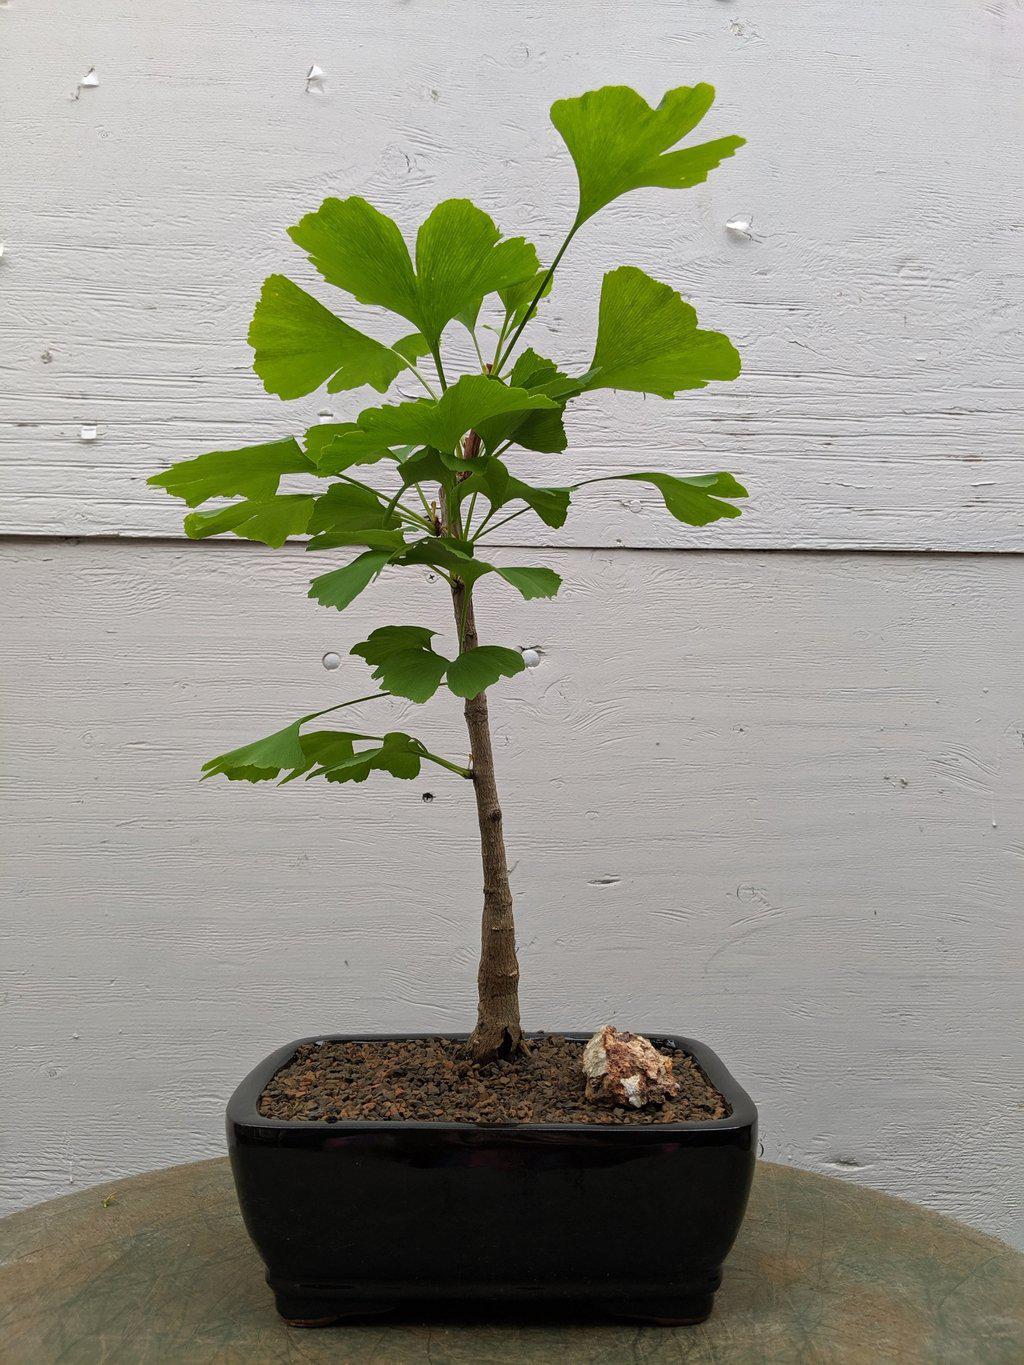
x: 767, y: 785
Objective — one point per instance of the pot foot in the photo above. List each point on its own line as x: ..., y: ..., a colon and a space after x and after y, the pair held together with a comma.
x: 685, y: 1311
x: 300, y: 1311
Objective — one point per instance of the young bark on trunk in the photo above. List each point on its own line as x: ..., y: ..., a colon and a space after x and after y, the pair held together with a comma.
x: 498, y: 1032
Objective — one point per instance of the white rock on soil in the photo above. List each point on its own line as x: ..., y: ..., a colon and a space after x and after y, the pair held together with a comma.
x: 627, y: 1069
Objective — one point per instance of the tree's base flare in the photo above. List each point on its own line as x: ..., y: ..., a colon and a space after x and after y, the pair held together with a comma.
x: 497, y: 1042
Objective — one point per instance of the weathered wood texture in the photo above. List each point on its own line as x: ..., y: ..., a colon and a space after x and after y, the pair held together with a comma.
x: 775, y: 801
x: 159, y: 1269
x: 878, y: 308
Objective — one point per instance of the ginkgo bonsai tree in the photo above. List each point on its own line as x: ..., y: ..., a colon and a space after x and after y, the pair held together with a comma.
x: 447, y: 458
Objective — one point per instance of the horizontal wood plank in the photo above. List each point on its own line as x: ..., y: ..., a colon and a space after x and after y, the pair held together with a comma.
x: 774, y: 801
x: 877, y: 308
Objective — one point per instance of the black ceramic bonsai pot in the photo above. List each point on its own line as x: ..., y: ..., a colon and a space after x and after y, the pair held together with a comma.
x: 361, y: 1217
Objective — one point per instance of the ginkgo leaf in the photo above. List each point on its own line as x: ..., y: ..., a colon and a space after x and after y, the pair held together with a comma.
x: 494, y: 482
x: 426, y: 466
x: 337, y: 446
x: 696, y: 500
x: 544, y: 430
x: 392, y: 541
x: 490, y: 479
x: 342, y: 586
x: 252, y: 472
x: 299, y: 344
x: 325, y: 753
x: 460, y: 258
x: 410, y: 348
x: 648, y: 340
x: 270, y: 522
x: 263, y: 759
x: 361, y: 250
x: 531, y: 582
x: 441, y: 423
x: 353, y: 514
x: 440, y: 552
x: 443, y: 553
x: 397, y: 753
x: 477, y: 669
x: 351, y: 507
x: 403, y: 660
x: 550, y: 504
x: 323, y: 748
x: 619, y: 143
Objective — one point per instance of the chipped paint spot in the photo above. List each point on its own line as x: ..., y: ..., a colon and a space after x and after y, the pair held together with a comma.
x: 316, y: 81
x: 741, y: 227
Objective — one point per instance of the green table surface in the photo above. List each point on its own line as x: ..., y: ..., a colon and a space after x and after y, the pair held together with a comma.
x: 158, y: 1269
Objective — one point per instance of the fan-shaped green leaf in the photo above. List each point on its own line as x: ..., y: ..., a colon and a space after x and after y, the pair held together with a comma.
x: 322, y: 747
x: 351, y: 507
x: 426, y: 466
x: 342, y: 586
x: 696, y: 500
x: 252, y: 472
x: 477, y: 669
x: 619, y: 143
x: 648, y: 340
x: 542, y: 430
x: 493, y: 482
x: 441, y: 423
x: 550, y: 504
x: 299, y: 344
x: 403, y: 660
x: 532, y: 582
x: 441, y: 552
x: 337, y: 446
x: 460, y: 258
x: 398, y: 754
x: 263, y: 759
x: 360, y: 250
x: 270, y: 522
x: 325, y: 753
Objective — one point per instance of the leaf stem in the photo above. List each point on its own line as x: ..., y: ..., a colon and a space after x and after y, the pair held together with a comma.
x: 479, y: 353
x: 501, y: 340
x: 426, y: 505
x: 421, y: 377
x: 444, y: 763
x: 499, y: 361
x: 315, y: 715
x: 512, y: 516
x: 394, y: 505
x: 435, y: 351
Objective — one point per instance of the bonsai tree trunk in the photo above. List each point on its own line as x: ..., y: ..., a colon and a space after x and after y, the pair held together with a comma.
x: 498, y: 1032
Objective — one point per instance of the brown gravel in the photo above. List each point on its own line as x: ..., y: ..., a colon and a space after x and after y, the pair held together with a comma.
x: 436, y: 1079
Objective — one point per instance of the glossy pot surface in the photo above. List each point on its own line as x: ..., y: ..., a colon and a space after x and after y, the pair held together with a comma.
x: 360, y: 1216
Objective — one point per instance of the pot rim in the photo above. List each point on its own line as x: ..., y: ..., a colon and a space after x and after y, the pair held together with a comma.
x: 242, y: 1108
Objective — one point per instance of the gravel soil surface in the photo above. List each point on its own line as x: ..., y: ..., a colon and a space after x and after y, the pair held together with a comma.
x: 435, y: 1079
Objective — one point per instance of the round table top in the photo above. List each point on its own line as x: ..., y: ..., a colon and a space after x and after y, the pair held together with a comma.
x: 158, y: 1268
